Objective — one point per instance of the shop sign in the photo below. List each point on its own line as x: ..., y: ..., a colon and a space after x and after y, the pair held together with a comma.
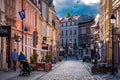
x: 5, y: 31
x: 44, y: 46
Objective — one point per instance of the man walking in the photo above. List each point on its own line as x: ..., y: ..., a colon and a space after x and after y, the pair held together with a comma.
x: 77, y: 57
x: 14, y: 59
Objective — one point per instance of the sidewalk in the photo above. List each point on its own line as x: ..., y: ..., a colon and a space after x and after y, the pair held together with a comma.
x: 102, y: 76
x: 14, y: 75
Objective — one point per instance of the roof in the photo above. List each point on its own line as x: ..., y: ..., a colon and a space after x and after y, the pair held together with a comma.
x: 80, y: 18
x: 73, y: 18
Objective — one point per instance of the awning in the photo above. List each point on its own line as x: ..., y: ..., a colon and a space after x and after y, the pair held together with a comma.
x: 38, y: 49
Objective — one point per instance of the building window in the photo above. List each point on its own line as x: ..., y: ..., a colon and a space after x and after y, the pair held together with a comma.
x: 68, y: 24
x: 66, y: 32
x: 61, y: 24
x: 74, y: 32
x: 62, y: 33
x: 75, y: 23
x: 66, y: 41
x: 72, y: 23
x: 53, y: 23
x: 70, y: 32
x: 83, y: 31
x: 64, y: 24
x: 75, y: 41
x: 62, y: 42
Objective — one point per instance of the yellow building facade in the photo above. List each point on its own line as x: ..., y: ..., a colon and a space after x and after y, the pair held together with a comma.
x: 106, y: 29
x: 39, y: 28
x: 50, y: 31
x: 116, y: 12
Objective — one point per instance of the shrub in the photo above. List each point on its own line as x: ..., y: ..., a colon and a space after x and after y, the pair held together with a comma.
x: 35, y: 56
x: 47, y: 58
x: 32, y: 59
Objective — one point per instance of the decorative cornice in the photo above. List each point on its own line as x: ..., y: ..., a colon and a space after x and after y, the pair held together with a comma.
x: 35, y: 7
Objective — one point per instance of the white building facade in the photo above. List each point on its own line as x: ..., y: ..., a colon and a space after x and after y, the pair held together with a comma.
x: 69, y: 35
x: 70, y: 32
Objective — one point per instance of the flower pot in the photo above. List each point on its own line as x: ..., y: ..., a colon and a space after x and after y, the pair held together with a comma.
x: 50, y: 64
x: 47, y: 67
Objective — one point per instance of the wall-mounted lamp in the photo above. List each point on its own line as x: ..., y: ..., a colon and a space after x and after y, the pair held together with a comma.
x: 17, y: 38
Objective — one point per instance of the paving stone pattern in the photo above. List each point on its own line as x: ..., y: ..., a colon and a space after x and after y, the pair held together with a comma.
x: 69, y: 70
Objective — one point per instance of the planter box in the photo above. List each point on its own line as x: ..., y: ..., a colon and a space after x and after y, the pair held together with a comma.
x: 39, y: 66
x: 48, y: 67
x: 101, y: 69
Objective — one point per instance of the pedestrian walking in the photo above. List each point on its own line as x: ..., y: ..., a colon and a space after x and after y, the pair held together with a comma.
x: 66, y: 56
x: 77, y: 57
x: 21, y: 58
x: 14, y: 55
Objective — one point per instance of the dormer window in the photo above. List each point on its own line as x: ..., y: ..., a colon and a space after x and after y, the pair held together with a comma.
x: 64, y: 24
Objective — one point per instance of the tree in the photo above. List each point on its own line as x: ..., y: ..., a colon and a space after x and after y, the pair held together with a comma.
x: 68, y: 15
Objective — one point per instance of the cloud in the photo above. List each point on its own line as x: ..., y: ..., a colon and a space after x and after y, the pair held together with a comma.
x: 76, y: 7
x: 90, y: 2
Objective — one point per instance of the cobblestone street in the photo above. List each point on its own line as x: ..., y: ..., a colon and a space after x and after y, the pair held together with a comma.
x: 65, y: 70
x: 102, y: 76
x: 69, y: 70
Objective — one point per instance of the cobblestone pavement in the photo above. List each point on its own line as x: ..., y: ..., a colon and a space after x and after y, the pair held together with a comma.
x: 69, y: 70
x: 102, y: 76
x: 33, y: 76
x: 65, y: 70
x: 14, y: 75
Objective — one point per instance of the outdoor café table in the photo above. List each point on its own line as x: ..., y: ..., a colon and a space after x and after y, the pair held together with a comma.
x: 40, y: 65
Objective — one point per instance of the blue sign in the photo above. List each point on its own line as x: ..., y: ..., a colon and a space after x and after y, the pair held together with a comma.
x: 22, y: 14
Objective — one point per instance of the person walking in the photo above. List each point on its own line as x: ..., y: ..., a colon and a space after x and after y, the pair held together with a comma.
x: 14, y: 55
x: 21, y: 58
x: 77, y: 57
x: 66, y: 56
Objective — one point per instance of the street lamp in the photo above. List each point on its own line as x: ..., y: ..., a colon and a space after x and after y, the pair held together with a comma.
x: 112, y: 19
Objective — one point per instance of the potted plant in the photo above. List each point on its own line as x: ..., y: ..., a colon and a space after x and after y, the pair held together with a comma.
x: 48, y: 65
x: 32, y: 59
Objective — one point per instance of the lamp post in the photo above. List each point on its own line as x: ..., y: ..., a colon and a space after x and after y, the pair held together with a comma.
x: 22, y: 27
x: 112, y: 19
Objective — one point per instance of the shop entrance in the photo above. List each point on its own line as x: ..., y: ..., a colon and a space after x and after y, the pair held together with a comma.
x: 5, y: 35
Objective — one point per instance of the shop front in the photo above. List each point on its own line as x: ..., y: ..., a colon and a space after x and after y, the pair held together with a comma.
x: 5, y: 57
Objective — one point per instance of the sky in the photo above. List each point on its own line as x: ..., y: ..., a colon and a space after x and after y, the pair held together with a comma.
x: 76, y: 7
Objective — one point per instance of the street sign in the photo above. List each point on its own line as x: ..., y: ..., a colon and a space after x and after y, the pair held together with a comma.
x: 22, y: 14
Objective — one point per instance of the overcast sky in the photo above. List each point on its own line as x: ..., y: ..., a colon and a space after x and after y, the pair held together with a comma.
x: 76, y: 7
